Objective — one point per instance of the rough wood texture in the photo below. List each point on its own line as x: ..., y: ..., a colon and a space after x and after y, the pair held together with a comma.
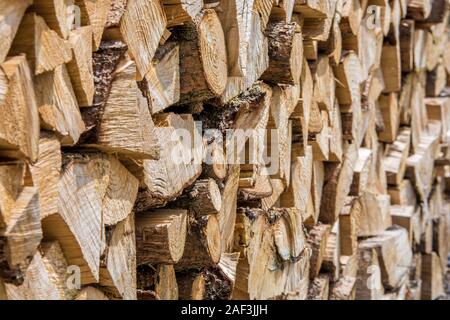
x: 19, y: 125
x: 160, y: 236
x: 224, y: 149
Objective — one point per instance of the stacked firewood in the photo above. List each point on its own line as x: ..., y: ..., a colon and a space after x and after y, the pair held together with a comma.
x: 224, y: 149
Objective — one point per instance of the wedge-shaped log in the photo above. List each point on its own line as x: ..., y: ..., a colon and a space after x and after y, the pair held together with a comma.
x: 20, y: 225
x: 45, y: 278
x: 375, y: 216
x: 348, y: 226
x: 12, y: 13
x: 338, y: 179
x: 120, y: 121
x: 325, y: 87
x: 59, y: 15
x: 389, y: 111
x: 94, y: 14
x: 118, y: 268
x: 297, y: 195
x: 179, y: 12
x: 395, y: 159
x: 46, y: 172
x: 81, y: 69
x: 317, y: 239
x: 120, y: 195
x: 58, y: 106
x: 179, y: 165
x: 256, y: 276
x: 161, y: 85
x: 19, y: 125
x: 394, y: 255
x: 361, y: 172
x: 77, y: 224
x: 141, y: 27
x: 45, y: 50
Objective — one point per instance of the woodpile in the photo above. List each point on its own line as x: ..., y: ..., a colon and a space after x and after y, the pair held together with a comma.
x: 224, y: 149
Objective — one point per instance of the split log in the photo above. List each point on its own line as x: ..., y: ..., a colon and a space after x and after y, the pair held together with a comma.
x: 81, y: 67
x: 441, y: 239
x: 236, y: 17
x: 439, y: 109
x: 297, y: 195
x: 419, y: 9
x: 404, y: 217
x: 141, y: 27
x: 257, y: 276
x: 361, y: 171
x: 368, y: 280
x: 19, y: 125
x: 42, y: 281
x: 77, y: 224
x: 203, y: 60
x: 318, y: 174
x: 202, y: 198
x: 45, y: 50
x: 320, y: 142
x: 46, y: 173
x: 330, y: 263
x: 191, y: 285
x: 227, y: 215
x: 203, y: 244
x: 157, y: 283
x: 161, y: 85
x: 420, y: 164
x: 59, y: 15
x: 348, y: 226
x: 282, y: 10
x: 120, y: 194
x: 118, y: 264
x: 348, y: 75
x: 285, y: 53
x: 12, y: 13
x: 403, y: 194
x: 120, y: 121
x: 179, y: 164
x: 338, y: 179
x: 94, y: 14
x: 257, y: 59
x: 160, y: 236
x: 324, y: 88
x: 396, y: 154
x: 20, y: 225
x: 317, y: 239
x: 432, y: 282
x: 407, y: 30
x: 58, y: 106
x: 375, y: 216
x: 394, y: 255
x: 179, y: 12
x: 318, y: 17
x: 389, y: 111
